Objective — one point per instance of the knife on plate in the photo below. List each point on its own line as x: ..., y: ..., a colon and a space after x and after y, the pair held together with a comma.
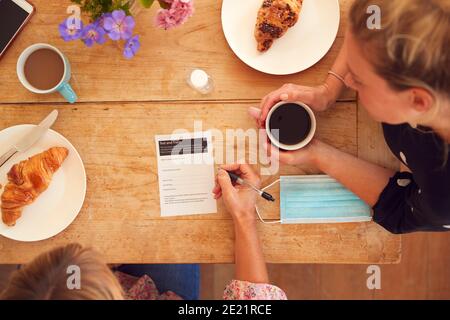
x: 30, y: 138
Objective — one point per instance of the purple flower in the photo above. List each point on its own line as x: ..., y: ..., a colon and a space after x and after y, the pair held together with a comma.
x: 119, y: 25
x: 100, y: 22
x: 71, y: 29
x: 93, y: 33
x: 131, y: 47
x: 177, y: 14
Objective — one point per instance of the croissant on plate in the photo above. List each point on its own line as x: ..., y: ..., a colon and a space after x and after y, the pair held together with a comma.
x: 27, y: 180
x: 275, y: 17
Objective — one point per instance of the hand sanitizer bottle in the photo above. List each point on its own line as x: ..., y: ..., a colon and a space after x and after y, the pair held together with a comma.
x: 200, y: 81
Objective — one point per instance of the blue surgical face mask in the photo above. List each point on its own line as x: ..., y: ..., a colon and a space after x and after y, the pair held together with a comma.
x: 319, y: 199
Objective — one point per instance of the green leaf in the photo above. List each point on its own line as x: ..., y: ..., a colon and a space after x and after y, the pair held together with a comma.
x: 164, y: 4
x: 147, y: 3
x: 95, y: 8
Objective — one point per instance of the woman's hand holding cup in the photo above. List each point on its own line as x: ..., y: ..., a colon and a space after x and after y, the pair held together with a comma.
x: 308, y: 155
x: 318, y: 98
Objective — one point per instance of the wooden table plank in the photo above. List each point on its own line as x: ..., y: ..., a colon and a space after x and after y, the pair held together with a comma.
x: 121, y: 212
x: 202, y: 241
x: 117, y: 145
x: 159, y: 70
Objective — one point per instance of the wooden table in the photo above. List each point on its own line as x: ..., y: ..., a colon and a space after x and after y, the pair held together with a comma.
x: 123, y: 104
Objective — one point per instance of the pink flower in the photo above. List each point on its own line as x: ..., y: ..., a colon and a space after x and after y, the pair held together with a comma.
x: 176, y: 15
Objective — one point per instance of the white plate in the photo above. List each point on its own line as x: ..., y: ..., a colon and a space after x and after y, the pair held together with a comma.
x: 56, y: 208
x: 302, y: 46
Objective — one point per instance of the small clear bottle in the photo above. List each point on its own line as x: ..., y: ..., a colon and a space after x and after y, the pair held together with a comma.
x: 200, y: 81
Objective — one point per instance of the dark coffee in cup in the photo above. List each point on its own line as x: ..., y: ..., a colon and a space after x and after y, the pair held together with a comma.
x: 290, y: 125
x: 292, y: 122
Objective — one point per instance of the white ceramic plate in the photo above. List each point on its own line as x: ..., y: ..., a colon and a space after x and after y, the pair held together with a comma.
x: 56, y: 208
x: 300, y: 48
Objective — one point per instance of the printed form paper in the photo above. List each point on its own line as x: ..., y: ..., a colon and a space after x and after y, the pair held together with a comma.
x: 186, y: 174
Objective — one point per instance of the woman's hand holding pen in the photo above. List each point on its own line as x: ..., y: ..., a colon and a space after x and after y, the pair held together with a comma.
x: 239, y: 200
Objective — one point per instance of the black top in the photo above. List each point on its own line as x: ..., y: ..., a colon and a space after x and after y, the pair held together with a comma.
x: 419, y: 201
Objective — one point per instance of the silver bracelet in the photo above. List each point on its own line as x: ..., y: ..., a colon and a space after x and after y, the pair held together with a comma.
x: 337, y: 77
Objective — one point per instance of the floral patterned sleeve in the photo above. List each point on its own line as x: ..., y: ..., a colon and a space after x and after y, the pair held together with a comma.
x: 243, y: 290
x: 142, y: 288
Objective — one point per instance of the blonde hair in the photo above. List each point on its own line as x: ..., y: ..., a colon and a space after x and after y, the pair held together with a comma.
x: 412, y: 47
x: 45, y: 278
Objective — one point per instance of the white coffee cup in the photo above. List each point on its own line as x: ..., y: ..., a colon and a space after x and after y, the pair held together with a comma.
x: 63, y: 87
x: 273, y: 135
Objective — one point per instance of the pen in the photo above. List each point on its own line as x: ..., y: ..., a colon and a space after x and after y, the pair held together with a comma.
x: 236, y: 179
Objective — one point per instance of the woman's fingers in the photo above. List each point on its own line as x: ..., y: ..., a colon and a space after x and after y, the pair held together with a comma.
x: 216, y: 188
x: 271, y: 151
x: 224, y: 181
x: 268, y: 103
x: 230, y: 167
x: 284, y: 96
x: 217, y: 191
x: 248, y: 173
x: 261, y: 107
x: 275, y: 154
x: 244, y: 170
x: 254, y: 112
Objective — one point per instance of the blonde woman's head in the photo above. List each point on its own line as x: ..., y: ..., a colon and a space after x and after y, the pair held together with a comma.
x: 401, y: 70
x: 46, y: 277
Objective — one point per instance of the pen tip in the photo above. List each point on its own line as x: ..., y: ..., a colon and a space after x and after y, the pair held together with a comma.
x: 268, y: 196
